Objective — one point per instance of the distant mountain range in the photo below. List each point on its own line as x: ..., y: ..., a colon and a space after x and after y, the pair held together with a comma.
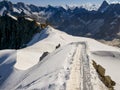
x: 102, y: 23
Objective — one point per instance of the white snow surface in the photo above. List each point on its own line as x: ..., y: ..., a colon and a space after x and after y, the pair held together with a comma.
x: 17, y: 10
x: 29, y: 19
x: 13, y: 17
x: 23, y: 70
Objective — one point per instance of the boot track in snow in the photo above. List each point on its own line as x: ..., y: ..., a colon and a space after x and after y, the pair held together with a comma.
x: 80, y: 78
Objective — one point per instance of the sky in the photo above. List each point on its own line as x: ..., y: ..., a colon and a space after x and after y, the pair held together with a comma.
x: 62, y: 2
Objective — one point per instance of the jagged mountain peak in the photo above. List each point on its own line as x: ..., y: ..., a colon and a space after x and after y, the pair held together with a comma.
x: 103, y: 6
x: 5, y: 3
x: 105, y: 3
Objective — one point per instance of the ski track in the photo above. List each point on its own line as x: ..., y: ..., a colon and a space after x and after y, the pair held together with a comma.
x: 74, y: 81
x: 85, y: 69
x: 80, y: 77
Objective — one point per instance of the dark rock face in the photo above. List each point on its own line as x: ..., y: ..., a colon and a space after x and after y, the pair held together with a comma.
x: 14, y: 34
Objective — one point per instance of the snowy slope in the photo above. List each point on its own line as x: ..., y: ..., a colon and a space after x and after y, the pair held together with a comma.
x: 57, y: 70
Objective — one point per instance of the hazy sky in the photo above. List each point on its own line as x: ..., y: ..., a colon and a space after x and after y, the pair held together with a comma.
x: 61, y: 2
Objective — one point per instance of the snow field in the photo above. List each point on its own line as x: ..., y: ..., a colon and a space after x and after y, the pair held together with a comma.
x: 60, y: 69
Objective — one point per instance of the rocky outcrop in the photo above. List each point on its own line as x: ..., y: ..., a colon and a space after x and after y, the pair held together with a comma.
x: 101, y: 70
x: 104, y: 78
x: 57, y: 46
x: 44, y: 55
x: 108, y: 82
x: 43, y: 25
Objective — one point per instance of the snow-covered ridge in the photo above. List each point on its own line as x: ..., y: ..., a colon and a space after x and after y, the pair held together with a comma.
x: 13, y: 17
x: 55, y: 71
